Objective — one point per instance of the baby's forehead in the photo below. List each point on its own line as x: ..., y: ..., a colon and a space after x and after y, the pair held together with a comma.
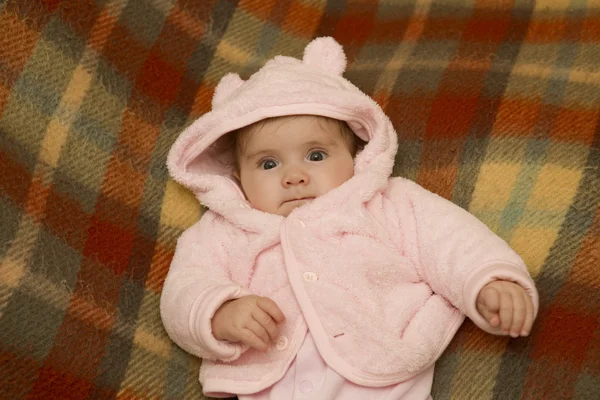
x: 294, y: 130
x: 296, y: 120
x: 305, y: 125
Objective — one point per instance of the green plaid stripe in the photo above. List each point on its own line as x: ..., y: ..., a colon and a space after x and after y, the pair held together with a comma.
x: 497, y: 109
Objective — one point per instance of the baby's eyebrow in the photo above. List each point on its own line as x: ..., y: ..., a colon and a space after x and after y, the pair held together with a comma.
x: 259, y: 153
x: 316, y: 143
x: 312, y: 143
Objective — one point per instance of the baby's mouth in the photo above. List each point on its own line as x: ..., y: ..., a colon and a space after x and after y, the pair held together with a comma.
x: 299, y: 199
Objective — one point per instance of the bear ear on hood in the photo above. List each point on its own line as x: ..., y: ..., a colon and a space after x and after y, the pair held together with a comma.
x: 327, y: 54
x: 227, y: 85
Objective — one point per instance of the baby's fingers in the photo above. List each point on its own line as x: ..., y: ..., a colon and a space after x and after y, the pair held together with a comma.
x: 528, y: 317
x: 506, y: 312
x: 271, y: 308
x: 249, y: 338
x: 519, y: 315
x: 488, y: 304
x: 490, y: 316
x: 266, y: 322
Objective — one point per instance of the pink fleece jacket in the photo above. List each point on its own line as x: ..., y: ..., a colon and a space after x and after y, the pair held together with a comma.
x: 379, y: 270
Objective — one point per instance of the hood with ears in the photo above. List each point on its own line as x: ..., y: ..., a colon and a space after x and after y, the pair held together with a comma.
x: 283, y: 86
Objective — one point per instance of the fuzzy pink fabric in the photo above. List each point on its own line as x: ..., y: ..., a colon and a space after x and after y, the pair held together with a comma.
x: 381, y: 271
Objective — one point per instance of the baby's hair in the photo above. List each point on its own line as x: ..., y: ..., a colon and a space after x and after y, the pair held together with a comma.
x: 238, y: 139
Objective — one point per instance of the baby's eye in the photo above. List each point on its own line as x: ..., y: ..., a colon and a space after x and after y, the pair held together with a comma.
x: 317, y: 155
x: 268, y: 164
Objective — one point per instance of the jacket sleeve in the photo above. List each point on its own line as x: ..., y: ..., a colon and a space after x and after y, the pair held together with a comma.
x: 457, y: 254
x: 197, y: 284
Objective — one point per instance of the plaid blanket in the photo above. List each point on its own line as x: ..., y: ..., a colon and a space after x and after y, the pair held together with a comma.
x: 497, y: 109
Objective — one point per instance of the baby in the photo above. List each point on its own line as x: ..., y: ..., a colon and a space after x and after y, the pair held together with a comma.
x: 313, y: 274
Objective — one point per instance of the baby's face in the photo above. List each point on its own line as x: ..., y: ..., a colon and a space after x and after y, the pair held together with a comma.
x: 291, y: 160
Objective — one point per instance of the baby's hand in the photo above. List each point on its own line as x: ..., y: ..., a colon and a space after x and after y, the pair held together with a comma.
x: 251, y: 320
x: 507, y: 305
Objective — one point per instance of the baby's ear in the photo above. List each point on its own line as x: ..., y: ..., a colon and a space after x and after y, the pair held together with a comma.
x: 327, y: 54
x: 227, y: 85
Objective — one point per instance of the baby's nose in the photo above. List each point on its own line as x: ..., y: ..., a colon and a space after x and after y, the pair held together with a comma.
x: 296, y: 177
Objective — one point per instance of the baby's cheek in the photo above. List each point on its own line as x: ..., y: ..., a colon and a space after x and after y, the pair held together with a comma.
x: 340, y: 178
x: 253, y: 189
